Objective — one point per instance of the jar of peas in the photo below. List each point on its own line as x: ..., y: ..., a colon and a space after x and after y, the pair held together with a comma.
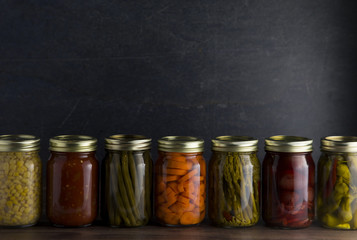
x: 180, y: 181
x: 337, y: 182
x: 20, y: 180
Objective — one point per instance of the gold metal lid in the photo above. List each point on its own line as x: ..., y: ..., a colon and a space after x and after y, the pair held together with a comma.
x: 339, y: 144
x: 185, y: 144
x: 73, y: 143
x: 127, y: 142
x: 235, y: 144
x: 282, y: 143
x: 19, y: 143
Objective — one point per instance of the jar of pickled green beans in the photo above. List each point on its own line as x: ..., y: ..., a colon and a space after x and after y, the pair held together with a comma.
x: 234, y: 180
x: 127, y: 181
x: 20, y: 180
x: 337, y: 182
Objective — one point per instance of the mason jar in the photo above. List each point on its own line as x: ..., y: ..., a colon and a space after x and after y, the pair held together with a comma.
x: 72, y: 181
x: 337, y: 182
x: 234, y: 182
x: 127, y: 178
x: 288, y: 182
x: 180, y: 181
x: 20, y: 180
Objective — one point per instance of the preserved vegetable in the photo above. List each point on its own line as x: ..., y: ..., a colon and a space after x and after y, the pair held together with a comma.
x: 234, y: 174
x: 337, y: 182
x: 128, y: 181
x: 180, y: 180
x: 288, y: 182
x: 20, y: 181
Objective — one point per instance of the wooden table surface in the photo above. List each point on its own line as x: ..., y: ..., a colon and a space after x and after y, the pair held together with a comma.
x: 203, y: 231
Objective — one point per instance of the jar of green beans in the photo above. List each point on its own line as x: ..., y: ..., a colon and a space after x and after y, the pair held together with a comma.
x: 234, y: 180
x: 127, y: 181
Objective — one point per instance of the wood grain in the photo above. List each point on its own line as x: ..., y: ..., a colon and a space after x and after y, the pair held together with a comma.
x: 204, y: 231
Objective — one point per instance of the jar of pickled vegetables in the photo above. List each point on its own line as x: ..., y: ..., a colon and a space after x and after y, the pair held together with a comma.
x: 180, y: 181
x: 127, y: 178
x: 20, y: 180
x: 288, y: 182
x: 234, y: 182
x: 337, y: 182
x: 72, y: 181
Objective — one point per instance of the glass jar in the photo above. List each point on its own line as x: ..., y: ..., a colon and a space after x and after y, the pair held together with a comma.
x: 234, y: 182
x: 288, y: 179
x: 20, y: 180
x: 180, y: 181
x: 127, y: 177
x: 72, y: 181
x: 337, y: 182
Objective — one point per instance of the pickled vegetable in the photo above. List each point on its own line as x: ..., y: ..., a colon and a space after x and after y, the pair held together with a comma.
x: 234, y: 180
x: 128, y: 185
x: 337, y: 190
x: 288, y: 189
x: 20, y: 188
x: 180, y: 193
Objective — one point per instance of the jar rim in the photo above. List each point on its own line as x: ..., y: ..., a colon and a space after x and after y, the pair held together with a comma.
x: 286, y: 143
x: 235, y: 144
x: 127, y: 142
x: 73, y: 143
x: 185, y: 144
x: 19, y: 143
x: 339, y: 144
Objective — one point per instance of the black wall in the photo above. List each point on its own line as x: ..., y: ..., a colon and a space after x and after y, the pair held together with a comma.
x: 201, y: 68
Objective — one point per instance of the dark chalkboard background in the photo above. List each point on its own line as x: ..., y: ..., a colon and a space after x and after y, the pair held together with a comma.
x: 201, y: 68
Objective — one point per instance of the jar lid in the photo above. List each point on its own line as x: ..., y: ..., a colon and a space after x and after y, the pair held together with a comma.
x: 19, y: 143
x: 282, y: 143
x: 184, y: 144
x: 339, y: 144
x: 235, y: 144
x: 73, y: 143
x: 127, y: 142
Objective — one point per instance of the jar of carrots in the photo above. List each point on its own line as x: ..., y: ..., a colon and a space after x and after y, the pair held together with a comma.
x: 288, y: 180
x: 180, y: 181
x: 234, y: 182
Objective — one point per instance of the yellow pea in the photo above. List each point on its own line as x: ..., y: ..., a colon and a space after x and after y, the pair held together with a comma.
x: 9, y: 204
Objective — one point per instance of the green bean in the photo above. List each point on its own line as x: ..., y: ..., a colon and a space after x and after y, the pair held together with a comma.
x: 125, y: 200
x: 129, y: 186
x: 115, y: 182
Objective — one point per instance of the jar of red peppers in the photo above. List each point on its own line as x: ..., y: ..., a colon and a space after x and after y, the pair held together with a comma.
x: 127, y: 178
x: 288, y: 182
x: 180, y: 181
x: 72, y: 181
x: 234, y: 182
x: 337, y: 182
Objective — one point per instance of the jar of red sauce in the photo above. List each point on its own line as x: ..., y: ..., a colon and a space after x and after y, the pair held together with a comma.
x: 72, y: 181
x: 180, y: 181
x: 288, y: 182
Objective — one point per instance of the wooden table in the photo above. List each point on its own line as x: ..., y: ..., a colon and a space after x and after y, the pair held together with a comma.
x: 204, y: 231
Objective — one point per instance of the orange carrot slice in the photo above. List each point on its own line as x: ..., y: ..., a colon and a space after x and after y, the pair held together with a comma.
x: 170, y: 178
x: 179, y: 165
x: 189, y: 175
x: 174, y: 171
x: 189, y: 218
